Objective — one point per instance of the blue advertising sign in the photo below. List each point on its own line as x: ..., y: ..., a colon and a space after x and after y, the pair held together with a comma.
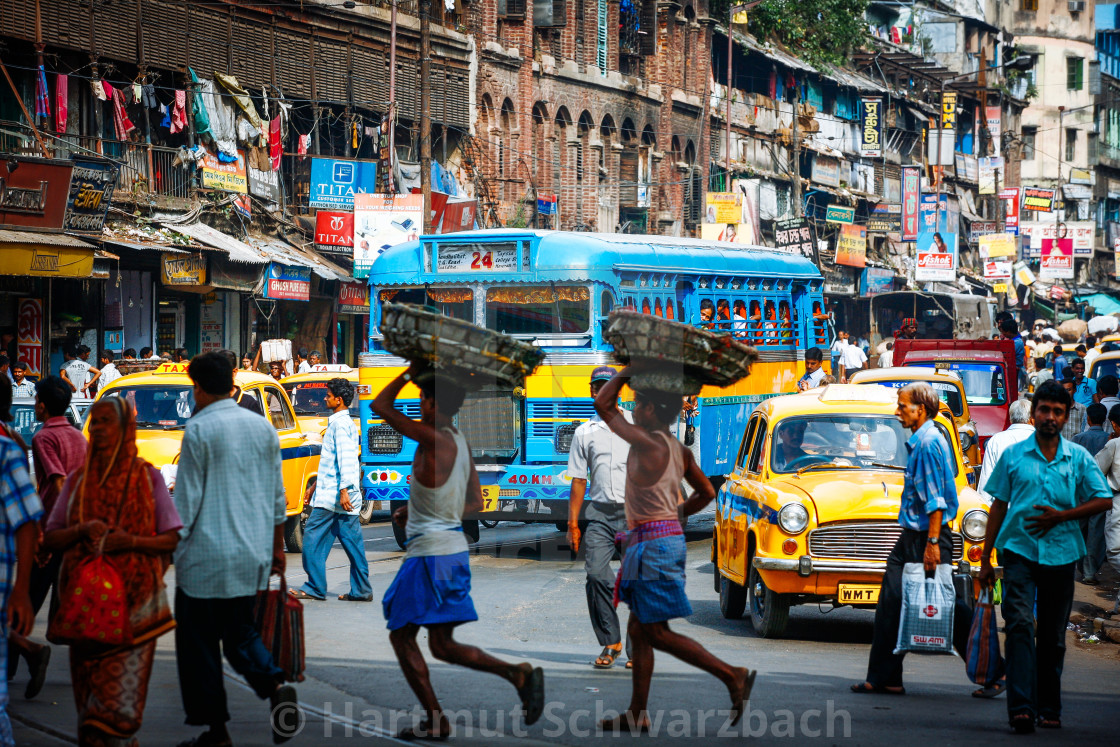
x: 287, y: 283
x: 334, y: 182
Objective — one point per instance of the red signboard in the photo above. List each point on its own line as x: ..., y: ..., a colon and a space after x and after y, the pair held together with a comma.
x: 29, y: 334
x: 33, y: 191
x: 353, y: 298
x: 459, y: 216
x: 334, y: 228
x: 1010, y: 196
x: 1057, y: 259
x: 911, y: 190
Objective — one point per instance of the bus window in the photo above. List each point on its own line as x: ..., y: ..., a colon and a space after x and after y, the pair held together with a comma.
x: 538, y: 310
x: 755, y: 324
x: 785, y: 323
x: 723, y: 315
x: 669, y: 313
x: 606, y: 303
x: 819, y: 324
x: 457, y: 303
x: 657, y: 307
x: 645, y: 306
x: 739, y: 325
x: 770, y: 328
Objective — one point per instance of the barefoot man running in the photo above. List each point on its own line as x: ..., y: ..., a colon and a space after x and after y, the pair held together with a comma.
x: 432, y: 587
x: 652, y: 576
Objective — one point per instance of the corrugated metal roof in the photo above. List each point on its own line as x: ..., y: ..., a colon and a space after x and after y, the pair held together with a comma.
x: 144, y: 246
x: 288, y: 254
x: 42, y: 239
x: 238, y: 250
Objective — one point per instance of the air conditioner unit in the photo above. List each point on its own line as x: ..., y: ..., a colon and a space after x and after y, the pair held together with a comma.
x: 1076, y: 6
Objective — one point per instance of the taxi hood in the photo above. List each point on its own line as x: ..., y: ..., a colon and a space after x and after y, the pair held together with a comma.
x: 849, y: 495
x: 159, y: 447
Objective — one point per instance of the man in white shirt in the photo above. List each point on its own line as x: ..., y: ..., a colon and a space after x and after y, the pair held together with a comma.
x: 1092, y: 351
x: 598, y: 452
x: 814, y: 374
x: 1107, y: 390
x: 886, y: 358
x: 852, y: 359
x: 77, y: 371
x: 838, y: 346
x: 301, y: 359
x: 108, y: 372
x: 1020, y: 430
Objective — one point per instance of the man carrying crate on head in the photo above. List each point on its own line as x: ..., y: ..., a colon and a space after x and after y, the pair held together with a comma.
x: 432, y: 587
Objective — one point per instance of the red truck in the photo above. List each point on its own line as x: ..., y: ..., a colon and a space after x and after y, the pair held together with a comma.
x: 987, y: 368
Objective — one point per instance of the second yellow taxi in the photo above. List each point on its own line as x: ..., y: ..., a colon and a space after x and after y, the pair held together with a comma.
x: 810, y: 512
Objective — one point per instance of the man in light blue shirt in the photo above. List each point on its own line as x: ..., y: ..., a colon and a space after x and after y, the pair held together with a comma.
x: 1040, y: 488
x: 335, y: 506
x: 1083, y: 387
x: 929, y: 503
x: 229, y: 491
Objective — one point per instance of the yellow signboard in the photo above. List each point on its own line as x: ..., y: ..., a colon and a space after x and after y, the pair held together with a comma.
x: 183, y: 269
x: 228, y: 177
x: 724, y: 207
x: 1000, y: 288
x: 998, y: 245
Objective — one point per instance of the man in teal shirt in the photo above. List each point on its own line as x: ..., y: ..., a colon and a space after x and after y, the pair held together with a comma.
x: 1040, y: 488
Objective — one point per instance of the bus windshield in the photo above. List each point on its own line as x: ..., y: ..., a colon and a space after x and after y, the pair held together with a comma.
x: 538, y: 309
x: 457, y: 303
x: 984, y: 383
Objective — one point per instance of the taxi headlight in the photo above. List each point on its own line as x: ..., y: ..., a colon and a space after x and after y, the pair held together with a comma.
x: 975, y: 525
x: 967, y: 439
x: 793, y: 518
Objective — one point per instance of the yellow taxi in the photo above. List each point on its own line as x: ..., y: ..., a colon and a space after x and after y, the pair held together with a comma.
x: 810, y: 512
x: 949, y: 388
x: 308, y: 393
x: 163, y: 399
x: 1105, y: 364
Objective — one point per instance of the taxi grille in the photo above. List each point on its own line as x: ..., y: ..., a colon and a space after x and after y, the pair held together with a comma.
x: 862, y: 541
x: 490, y: 422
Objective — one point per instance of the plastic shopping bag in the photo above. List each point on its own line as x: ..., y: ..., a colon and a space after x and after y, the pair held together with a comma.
x: 985, y: 663
x: 926, y: 626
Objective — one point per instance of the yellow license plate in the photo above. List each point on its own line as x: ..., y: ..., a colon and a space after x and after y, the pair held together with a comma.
x: 858, y: 594
x: 489, y: 498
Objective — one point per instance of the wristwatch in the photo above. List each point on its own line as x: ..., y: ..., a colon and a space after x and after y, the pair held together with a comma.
x: 933, y: 540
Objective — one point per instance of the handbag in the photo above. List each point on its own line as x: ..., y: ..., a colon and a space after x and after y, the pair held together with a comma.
x: 926, y: 625
x: 984, y: 663
x: 93, y: 608
x: 279, y: 619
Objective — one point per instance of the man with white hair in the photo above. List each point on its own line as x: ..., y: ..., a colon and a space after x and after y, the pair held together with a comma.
x: 1020, y: 430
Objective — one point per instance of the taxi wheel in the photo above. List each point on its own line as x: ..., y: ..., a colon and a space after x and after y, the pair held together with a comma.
x: 365, y: 514
x: 488, y: 524
x: 769, y: 610
x: 293, y: 533
x: 732, y: 598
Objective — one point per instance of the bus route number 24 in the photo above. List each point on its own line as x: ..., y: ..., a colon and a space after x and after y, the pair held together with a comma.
x: 482, y: 260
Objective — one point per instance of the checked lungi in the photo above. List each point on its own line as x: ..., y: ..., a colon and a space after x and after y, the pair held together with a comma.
x: 651, y: 580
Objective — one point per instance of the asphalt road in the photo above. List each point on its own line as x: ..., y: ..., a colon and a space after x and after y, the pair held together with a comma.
x: 529, y: 593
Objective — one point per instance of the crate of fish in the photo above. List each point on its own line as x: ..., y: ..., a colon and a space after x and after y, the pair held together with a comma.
x: 471, y: 355
x: 676, y: 357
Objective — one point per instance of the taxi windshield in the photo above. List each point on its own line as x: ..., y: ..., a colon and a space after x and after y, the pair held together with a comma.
x: 949, y: 393
x: 310, y: 398
x: 984, y: 383
x: 1105, y: 368
x: 158, y: 407
x: 841, y: 442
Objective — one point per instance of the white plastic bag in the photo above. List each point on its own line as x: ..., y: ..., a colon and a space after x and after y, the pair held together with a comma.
x: 926, y: 623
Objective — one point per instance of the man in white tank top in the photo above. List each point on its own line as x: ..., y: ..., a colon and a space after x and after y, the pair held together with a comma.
x: 432, y: 587
x: 651, y: 581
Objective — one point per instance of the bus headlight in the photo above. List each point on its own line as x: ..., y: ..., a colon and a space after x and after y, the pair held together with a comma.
x: 974, y: 525
x: 793, y: 518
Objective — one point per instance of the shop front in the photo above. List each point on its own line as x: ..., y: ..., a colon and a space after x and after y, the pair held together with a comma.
x: 351, y: 330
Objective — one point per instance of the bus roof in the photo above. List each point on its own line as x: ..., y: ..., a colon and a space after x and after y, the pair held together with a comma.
x: 569, y: 255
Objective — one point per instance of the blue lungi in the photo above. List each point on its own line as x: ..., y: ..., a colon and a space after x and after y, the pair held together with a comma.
x: 430, y: 590
x: 651, y: 580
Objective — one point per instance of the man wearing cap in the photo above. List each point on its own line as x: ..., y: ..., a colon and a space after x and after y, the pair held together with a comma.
x: 908, y: 330
x: 598, y: 451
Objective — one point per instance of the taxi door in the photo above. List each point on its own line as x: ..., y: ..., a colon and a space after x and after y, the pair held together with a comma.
x: 299, y: 454
x: 739, y: 489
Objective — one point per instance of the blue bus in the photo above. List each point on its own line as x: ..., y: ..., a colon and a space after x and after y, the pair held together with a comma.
x: 555, y: 289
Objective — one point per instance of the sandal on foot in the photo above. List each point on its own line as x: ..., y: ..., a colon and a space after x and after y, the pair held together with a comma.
x: 37, y: 663
x: 991, y: 691
x: 1022, y: 723
x: 532, y: 696
x: 285, y: 716
x: 301, y: 594
x: 737, y: 709
x: 1049, y: 722
x: 630, y: 664
x: 606, y: 658
x: 352, y: 598
x: 866, y: 688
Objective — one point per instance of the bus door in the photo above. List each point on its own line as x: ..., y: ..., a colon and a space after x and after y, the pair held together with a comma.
x: 686, y: 313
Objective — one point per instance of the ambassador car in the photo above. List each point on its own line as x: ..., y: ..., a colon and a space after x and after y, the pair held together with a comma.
x: 163, y: 399
x: 810, y: 512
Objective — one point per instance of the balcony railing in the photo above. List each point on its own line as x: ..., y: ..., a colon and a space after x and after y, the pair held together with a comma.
x: 144, y: 169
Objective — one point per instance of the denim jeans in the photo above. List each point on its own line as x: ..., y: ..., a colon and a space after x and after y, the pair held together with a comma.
x: 1035, y: 656
x: 1095, y: 555
x: 323, y: 527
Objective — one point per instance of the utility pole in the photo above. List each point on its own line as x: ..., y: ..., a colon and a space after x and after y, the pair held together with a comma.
x: 392, y: 125
x: 796, y: 156
x: 425, y: 112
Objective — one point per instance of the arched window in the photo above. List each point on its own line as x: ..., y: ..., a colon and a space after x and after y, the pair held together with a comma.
x: 657, y: 308
x: 562, y: 178
x: 645, y: 306
x: 505, y: 167
x: 541, y: 158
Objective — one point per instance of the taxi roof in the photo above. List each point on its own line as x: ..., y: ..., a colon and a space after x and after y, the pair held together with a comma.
x: 176, y: 374
x: 907, y: 373
x: 855, y: 399
x: 324, y: 372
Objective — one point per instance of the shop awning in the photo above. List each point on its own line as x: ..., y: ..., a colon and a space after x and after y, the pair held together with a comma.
x: 238, y: 250
x: 144, y: 246
x: 52, y: 255
x: 287, y: 254
x: 1102, y: 302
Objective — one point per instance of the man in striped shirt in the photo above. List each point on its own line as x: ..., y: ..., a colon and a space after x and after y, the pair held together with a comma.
x: 335, y: 506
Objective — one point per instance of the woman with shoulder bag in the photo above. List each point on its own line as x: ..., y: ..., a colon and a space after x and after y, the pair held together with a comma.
x: 117, y: 526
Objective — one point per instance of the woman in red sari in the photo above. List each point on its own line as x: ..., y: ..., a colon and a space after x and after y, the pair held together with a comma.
x: 119, y: 499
